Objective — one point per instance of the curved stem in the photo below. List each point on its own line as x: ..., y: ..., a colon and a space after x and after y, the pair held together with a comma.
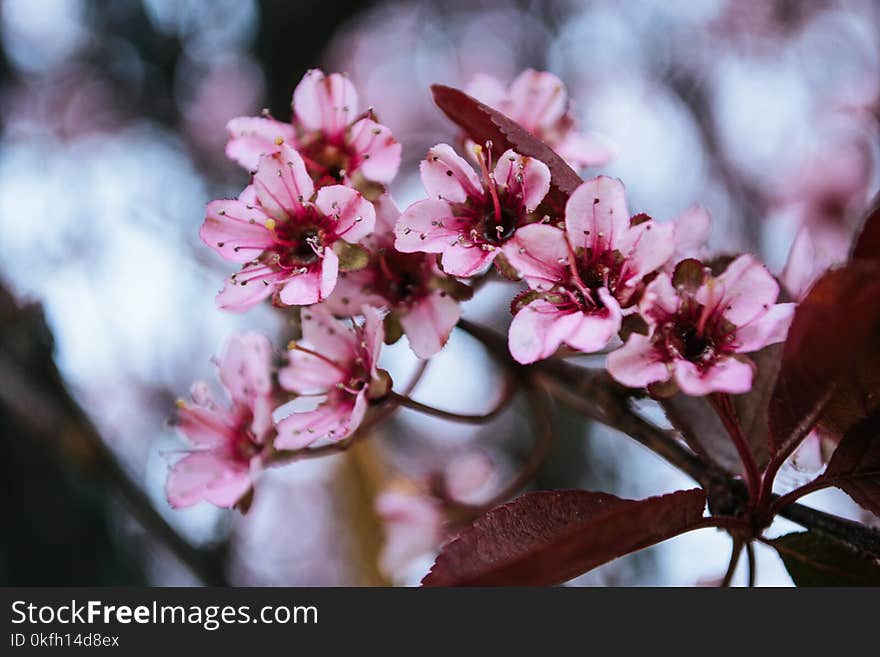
x: 538, y: 403
x: 735, y: 552
x: 753, y: 566
x: 791, y: 496
x: 510, y: 387
x: 723, y: 406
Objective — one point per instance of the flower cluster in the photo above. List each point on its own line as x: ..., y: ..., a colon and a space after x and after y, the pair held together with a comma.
x: 317, y: 232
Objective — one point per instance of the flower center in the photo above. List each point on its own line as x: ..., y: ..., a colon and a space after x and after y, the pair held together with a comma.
x: 497, y: 229
x: 402, y: 277
x: 326, y: 160
x: 299, y: 245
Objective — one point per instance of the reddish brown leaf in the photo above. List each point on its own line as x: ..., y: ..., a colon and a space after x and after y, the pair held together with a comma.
x: 855, y: 464
x: 482, y: 123
x: 830, y: 372
x: 549, y: 537
x: 813, y: 560
x: 867, y: 246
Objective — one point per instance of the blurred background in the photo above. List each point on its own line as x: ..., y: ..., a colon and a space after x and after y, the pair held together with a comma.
x: 113, y: 115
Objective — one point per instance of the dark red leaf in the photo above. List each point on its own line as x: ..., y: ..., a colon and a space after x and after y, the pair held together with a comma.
x: 549, y: 537
x: 482, y: 123
x: 855, y: 464
x: 699, y: 425
x: 830, y: 372
x: 813, y: 560
x: 867, y: 246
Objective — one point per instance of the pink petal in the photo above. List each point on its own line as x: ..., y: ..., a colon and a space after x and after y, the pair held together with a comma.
x: 540, y: 253
x: 523, y: 175
x: 448, y: 176
x: 743, y: 291
x: 429, y: 226
x: 413, y: 527
x: 596, y: 215
x: 307, y: 374
x: 584, y: 149
x: 377, y: 149
x: 335, y: 419
x: 387, y: 214
x: 812, y: 253
x: 354, y: 216
x: 464, y: 261
x: 429, y: 323
x: 692, y: 229
x: 325, y: 102
x: 245, y: 367
x: 373, y: 336
x: 637, y: 363
x: 593, y: 331
x: 253, y: 136
x: 660, y: 299
x: 282, y: 183
x: 235, y: 230
x: 537, y: 99
x: 207, y: 476
x: 328, y: 336
x: 313, y: 285
x: 236, y: 297
x: 206, y: 426
x: 647, y: 247
x: 538, y: 330
x: 487, y: 89
x: 769, y: 328
x: 350, y: 294
x: 726, y: 375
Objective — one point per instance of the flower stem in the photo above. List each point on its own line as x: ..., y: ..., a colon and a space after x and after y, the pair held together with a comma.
x: 723, y: 406
x: 735, y: 553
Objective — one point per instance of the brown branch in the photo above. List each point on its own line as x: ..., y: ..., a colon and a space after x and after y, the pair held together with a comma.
x: 593, y: 394
x: 37, y: 397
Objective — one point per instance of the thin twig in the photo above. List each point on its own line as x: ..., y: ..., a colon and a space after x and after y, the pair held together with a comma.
x: 752, y: 564
x: 735, y: 552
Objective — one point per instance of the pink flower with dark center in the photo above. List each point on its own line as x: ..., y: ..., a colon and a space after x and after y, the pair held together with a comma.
x: 337, y: 143
x: 421, y: 299
x: 538, y: 101
x: 287, y: 242
x: 466, y: 219
x: 581, y: 277
x: 228, y: 440
x: 699, y: 327
x: 337, y: 364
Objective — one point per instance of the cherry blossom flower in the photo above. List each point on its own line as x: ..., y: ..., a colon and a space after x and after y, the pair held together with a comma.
x: 422, y: 301
x: 582, y: 277
x: 538, y: 101
x: 337, y: 363
x: 288, y: 243
x: 467, y: 220
x: 337, y: 143
x: 229, y: 440
x: 699, y: 327
x: 415, y: 514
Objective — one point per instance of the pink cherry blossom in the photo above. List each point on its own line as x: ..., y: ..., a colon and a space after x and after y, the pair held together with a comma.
x: 228, y: 440
x: 336, y: 363
x: 285, y: 240
x: 538, y: 101
x: 697, y: 332
x: 337, y: 143
x: 411, y: 286
x: 582, y: 277
x: 465, y: 219
x: 415, y: 514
